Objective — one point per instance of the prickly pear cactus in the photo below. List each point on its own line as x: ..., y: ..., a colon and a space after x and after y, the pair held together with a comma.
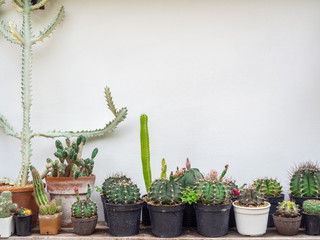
x: 123, y: 192
x: 250, y: 197
x: 213, y: 192
x: 311, y: 206
x: 6, y: 205
x: 287, y: 209
x: 85, y: 208
x: 110, y: 181
x: 268, y: 186
x: 305, y: 180
x: 190, y: 176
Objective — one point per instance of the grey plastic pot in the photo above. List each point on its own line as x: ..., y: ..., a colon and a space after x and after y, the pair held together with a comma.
x: 84, y: 226
x: 287, y: 226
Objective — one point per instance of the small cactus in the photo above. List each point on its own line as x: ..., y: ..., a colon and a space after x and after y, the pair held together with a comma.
x: 287, y: 209
x: 188, y: 176
x: 249, y: 196
x: 51, y: 208
x: 110, y: 181
x: 123, y: 192
x: 268, y: 186
x: 6, y: 205
x: 311, y: 206
x: 85, y: 208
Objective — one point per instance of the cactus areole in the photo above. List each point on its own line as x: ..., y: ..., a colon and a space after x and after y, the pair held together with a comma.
x: 26, y: 39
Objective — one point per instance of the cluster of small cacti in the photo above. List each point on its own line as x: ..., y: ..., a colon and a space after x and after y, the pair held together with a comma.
x: 188, y: 176
x: 268, y: 186
x: 311, y: 206
x: 249, y: 196
x: 6, y: 205
x: 51, y: 208
x: 288, y: 209
x: 85, y: 208
x: 305, y: 180
x: 123, y: 192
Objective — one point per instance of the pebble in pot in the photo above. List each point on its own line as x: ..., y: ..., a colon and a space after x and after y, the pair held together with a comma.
x: 311, y: 212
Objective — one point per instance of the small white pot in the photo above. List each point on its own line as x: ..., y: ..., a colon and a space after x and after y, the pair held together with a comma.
x: 6, y: 227
x: 251, y: 221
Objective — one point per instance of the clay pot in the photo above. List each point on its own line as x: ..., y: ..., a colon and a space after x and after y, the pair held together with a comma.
x: 50, y: 224
x: 287, y: 226
x: 63, y: 187
x: 23, y: 197
x: 84, y: 226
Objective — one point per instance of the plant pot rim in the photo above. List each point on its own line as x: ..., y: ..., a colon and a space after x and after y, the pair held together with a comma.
x: 311, y: 214
x: 27, y: 188
x: 18, y: 216
x: 66, y: 179
x: 158, y: 205
x: 253, y: 208
x: 122, y: 205
x: 290, y: 195
x: 81, y: 219
x: 50, y: 216
x: 293, y: 218
x: 220, y: 205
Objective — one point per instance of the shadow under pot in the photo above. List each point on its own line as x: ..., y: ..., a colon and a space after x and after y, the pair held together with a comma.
x: 299, y: 200
x: 312, y: 223
x: 287, y: 226
x: 124, y: 219
x: 166, y: 221
x: 103, y: 200
x: 84, y: 226
x: 273, y: 207
x: 23, y: 224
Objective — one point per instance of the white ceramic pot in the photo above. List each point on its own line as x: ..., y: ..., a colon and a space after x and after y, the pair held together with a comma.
x: 251, y: 221
x: 6, y: 227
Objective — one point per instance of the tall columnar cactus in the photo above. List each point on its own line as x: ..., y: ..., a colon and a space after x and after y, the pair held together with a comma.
x: 6, y: 205
x: 250, y: 197
x: 123, y: 192
x: 110, y: 181
x: 268, y: 186
x: 305, y: 180
x: 145, y: 150
x: 38, y: 188
x: 165, y: 192
x: 85, y: 208
x: 311, y: 206
x: 213, y: 192
x: 26, y: 39
x: 188, y: 176
x: 287, y: 209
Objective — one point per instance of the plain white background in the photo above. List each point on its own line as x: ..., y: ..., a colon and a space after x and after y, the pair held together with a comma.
x: 229, y: 81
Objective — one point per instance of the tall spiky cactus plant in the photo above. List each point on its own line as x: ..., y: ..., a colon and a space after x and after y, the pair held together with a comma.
x: 26, y: 39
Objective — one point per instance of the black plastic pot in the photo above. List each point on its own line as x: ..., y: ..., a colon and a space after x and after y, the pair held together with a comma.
x: 145, y: 213
x: 273, y: 207
x: 212, y: 221
x: 103, y: 200
x: 312, y: 223
x: 23, y: 224
x: 189, y: 216
x: 124, y: 219
x: 299, y: 200
x: 232, y: 220
x: 166, y: 221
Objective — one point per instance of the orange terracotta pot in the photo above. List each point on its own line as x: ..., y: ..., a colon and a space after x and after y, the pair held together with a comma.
x: 23, y: 197
x: 63, y: 187
x: 50, y: 224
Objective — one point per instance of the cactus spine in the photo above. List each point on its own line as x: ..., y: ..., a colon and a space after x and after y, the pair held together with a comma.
x: 26, y: 39
x: 268, y: 186
x: 39, y: 193
x: 6, y: 205
x: 250, y: 197
x: 145, y: 150
x: 123, y: 192
x: 85, y: 208
x: 311, y: 206
x: 213, y: 192
x: 287, y: 209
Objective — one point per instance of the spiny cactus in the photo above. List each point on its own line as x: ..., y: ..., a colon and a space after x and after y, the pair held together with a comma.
x: 85, y: 208
x: 123, y: 192
x: 51, y: 208
x: 165, y: 191
x: 163, y: 169
x: 268, y: 186
x: 311, y: 206
x: 26, y: 39
x: 145, y: 150
x: 38, y: 188
x: 6, y: 205
x: 213, y: 192
x: 110, y: 181
x: 287, y: 209
x: 249, y: 196
x: 305, y: 180
x: 188, y: 176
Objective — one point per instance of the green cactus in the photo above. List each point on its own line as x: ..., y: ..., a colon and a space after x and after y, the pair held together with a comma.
x: 26, y: 39
x: 305, y: 180
x: 165, y: 192
x: 50, y: 208
x: 110, y: 181
x: 311, y: 206
x: 287, y: 209
x: 188, y: 176
x: 249, y: 196
x: 6, y: 205
x: 213, y: 192
x: 268, y: 186
x: 123, y: 192
x: 38, y: 188
x: 85, y: 208
x: 163, y: 169
x: 145, y: 150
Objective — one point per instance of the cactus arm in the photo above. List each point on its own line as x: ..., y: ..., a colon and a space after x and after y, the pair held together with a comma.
x: 145, y: 150
x: 1, y: 2
x: 110, y: 101
x: 18, y: 5
x: 48, y: 30
x: 7, y: 128
x: 15, y: 33
x: 163, y: 169
x: 39, y: 4
x: 7, y: 34
x: 7, y: 181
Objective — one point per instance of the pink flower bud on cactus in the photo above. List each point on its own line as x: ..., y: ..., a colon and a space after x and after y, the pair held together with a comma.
x: 76, y: 190
x: 188, y: 165
x: 236, y: 192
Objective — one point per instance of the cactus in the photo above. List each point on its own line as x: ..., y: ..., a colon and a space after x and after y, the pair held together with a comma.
x: 249, y: 196
x: 145, y: 151
x: 165, y: 191
x: 110, y: 181
x: 163, y: 169
x: 85, y: 208
x: 305, y: 180
x: 50, y: 208
x: 189, y: 176
x: 38, y: 188
x: 26, y: 39
x: 311, y: 206
x: 213, y: 192
x: 287, y: 209
x: 6, y: 205
x: 268, y: 186
x: 123, y: 192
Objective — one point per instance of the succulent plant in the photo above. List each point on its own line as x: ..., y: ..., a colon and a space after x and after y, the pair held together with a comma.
x: 110, y: 181
x: 85, y: 208
x: 287, y: 209
x: 311, y: 206
x: 165, y: 191
x: 163, y: 169
x: 51, y: 208
x: 188, y: 176
x: 213, y: 192
x: 38, y: 188
x: 145, y: 150
x: 6, y: 205
x: 123, y: 192
x: 268, y: 186
x: 305, y: 180
x: 70, y: 163
x: 249, y: 196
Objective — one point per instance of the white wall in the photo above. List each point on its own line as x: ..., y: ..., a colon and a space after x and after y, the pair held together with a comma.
x: 230, y: 81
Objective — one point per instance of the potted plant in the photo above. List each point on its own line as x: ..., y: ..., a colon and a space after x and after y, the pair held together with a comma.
x: 287, y: 218
x: 84, y: 214
x: 311, y: 213
x: 271, y: 189
x: 103, y: 199
x: 123, y: 206
x: 251, y: 212
x: 165, y: 207
x: 23, y: 222
x: 6, y: 220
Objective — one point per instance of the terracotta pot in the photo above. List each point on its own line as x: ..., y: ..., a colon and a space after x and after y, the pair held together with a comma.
x: 63, y: 187
x: 23, y: 197
x: 287, y: 226
x: 84, y: 226
x: 50, y: 224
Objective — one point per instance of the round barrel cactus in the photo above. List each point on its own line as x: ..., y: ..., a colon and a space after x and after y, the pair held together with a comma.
x: 287, y: 209
x: 311, y: 206
x: 123, y: 192
x: 190, y: 176
x: 110, y: 181
x: 305, y: 180
x: 268, y: 186
x: 85, y: 208
x: 250, y: 197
